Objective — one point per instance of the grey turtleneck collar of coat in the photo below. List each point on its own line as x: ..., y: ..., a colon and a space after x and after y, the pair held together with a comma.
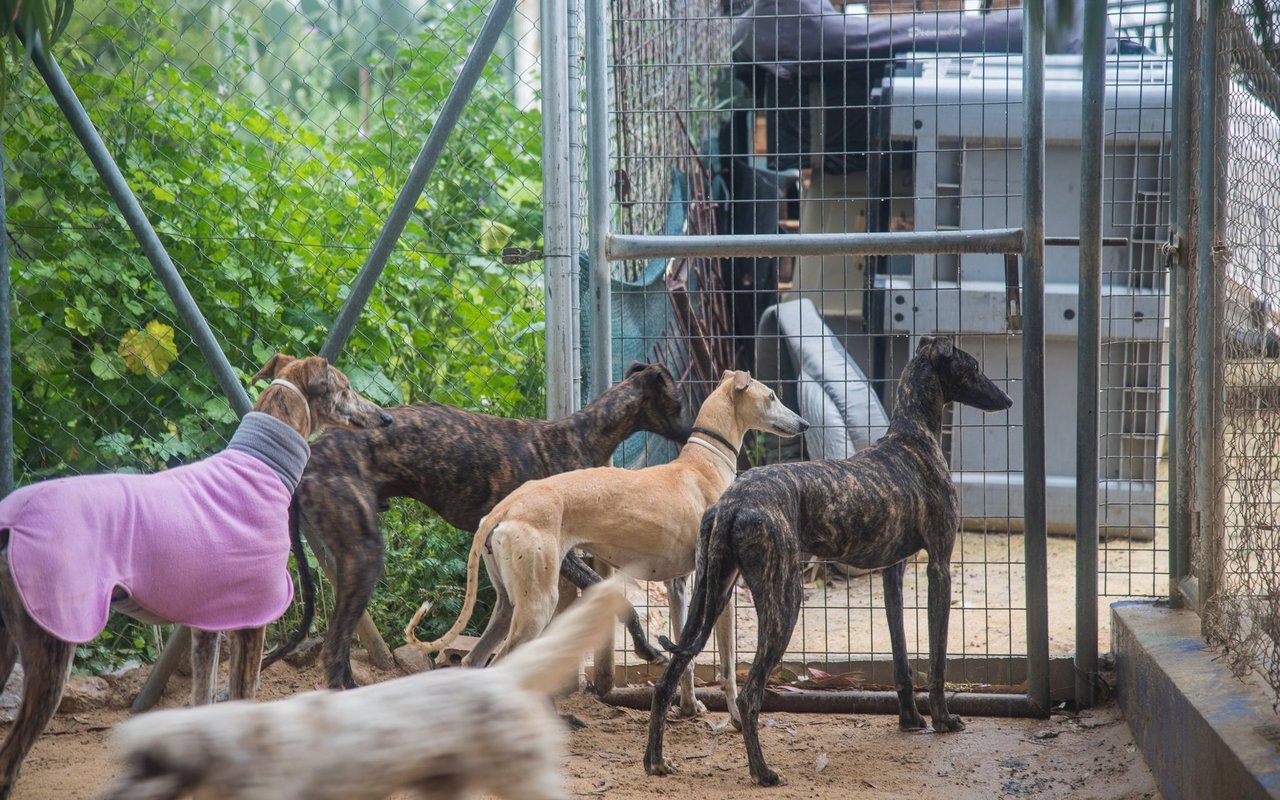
x: 273, y: 442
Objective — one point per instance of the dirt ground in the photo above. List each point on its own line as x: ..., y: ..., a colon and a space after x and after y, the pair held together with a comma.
x: 821, y: 756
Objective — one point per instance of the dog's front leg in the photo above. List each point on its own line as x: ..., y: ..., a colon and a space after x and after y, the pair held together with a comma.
x: 204, y: 666
x: 245, y: 662
x: 678, y: 603
x: 939, y: 615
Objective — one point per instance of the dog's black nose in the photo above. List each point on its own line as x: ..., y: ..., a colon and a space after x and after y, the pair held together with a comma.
x: 804, y: 425
x: 386, y: 419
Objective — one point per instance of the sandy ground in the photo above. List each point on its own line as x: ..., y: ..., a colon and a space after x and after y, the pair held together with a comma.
x: 821, y: 756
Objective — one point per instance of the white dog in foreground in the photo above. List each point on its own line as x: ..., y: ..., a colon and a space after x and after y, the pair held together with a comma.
x: 440, y: 734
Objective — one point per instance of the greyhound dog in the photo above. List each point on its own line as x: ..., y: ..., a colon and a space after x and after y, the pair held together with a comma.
x: 644, y: 522
x: 459, y: 464
x: 204, y: 545
x: 872, y: 510
x: 503, y: 738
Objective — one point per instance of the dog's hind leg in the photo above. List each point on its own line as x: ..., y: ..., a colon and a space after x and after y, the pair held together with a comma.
x: 204, y: 666
x: 245, y: 662
x: 528, y: 564
x: 499, y: 618
x: 663, y: 693
x: 678, y: 603
x: 777, y: 597
x: 46, y: 662
x: 909, y: 718
x: 357, y: 569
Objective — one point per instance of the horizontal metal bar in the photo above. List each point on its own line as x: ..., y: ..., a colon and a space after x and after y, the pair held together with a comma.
x: 1074, y: 241
x: 997, y: 240
x: 848, y: 702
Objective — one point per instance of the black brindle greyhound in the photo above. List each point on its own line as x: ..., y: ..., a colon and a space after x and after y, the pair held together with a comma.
x: 459, y: 464
x: 872, y: 510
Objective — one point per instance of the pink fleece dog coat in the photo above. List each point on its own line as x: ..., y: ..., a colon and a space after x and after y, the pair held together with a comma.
x: 205, y: 545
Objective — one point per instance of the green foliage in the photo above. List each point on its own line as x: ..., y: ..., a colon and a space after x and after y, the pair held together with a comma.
x: 268, y: 217
x: 427, y: 560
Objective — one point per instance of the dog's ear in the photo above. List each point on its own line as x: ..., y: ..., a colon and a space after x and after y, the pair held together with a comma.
x: 273, y: 367
x: 636, y: 366
x: 925, y: 341
x: 741, y: 380
x: 317, y: 376
x: 726, y: 375
x: 944, y: 346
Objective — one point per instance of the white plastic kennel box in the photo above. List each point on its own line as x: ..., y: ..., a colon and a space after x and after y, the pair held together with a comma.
x: 961, y: 116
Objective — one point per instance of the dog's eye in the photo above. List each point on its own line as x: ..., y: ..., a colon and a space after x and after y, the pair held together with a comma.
x: 773, y: 398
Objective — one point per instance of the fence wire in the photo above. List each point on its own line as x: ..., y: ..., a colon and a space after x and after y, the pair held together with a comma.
x: 821, y: 127
x: 266, y: 142
x: 1243, y: 615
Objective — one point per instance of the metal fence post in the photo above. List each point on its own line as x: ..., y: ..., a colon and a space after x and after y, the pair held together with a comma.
x: 419, y: 173
x: 558, y: 245
x: 1035, y: 530
x: 1182, y: 241
x: 600, y: 307
x: 1208, y: 320
x: 1088, y: 353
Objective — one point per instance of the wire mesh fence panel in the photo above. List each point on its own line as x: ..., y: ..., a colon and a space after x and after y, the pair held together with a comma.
x: 1242, y: 617
x: 1134, y: 397
x: 894, y: 117
x: 266, y: 141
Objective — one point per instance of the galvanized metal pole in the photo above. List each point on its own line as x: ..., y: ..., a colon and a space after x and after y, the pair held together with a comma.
x: 559, y: 250
x: 1208, y: 326
x: 132, y: 212
x: 994, y: 240
x: 1182, y: 238
x: 575, y: 194
x: 419, y: 173
x: 1089, y: 350
x: 1035, y: 538
x: 600, y: 308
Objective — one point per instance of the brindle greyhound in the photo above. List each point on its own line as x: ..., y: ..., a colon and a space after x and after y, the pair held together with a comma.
x: 872, y: 510
x: 644, y: 522
x: 204, y: 545
x: 459, y: 464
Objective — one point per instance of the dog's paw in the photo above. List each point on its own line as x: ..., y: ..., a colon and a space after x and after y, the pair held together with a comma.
x: 950, y: 722
x: 911, y: 724
x: 659, y: 767
x: 651, y: 656
x: 694, y: 709
x: 767, y: 777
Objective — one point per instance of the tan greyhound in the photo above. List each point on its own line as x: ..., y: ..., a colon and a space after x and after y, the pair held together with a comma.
x: 644, y: 522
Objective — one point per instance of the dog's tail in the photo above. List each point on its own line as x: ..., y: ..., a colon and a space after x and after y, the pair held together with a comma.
x: 468, y: 605
x: 308, y: 586
x: 713, y: 580
x: 550, y: 662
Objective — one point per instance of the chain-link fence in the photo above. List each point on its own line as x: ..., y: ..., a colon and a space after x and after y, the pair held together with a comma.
x: 266, y: 141
x: 1243, y: 611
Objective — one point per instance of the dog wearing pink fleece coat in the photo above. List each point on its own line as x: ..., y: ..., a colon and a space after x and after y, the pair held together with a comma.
x: 205, y: 545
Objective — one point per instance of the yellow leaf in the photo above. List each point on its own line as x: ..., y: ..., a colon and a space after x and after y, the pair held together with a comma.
x: 495, y: 236
x: 150, y: 351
